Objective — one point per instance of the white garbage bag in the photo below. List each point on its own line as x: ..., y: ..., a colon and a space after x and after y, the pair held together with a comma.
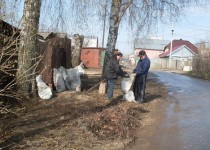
x: 68, y: 78
x: 62, y: 70
x: 74, y: 77
x: 44, y: 91
x: 58, y: 80
x: 129, y: 96
x: 126, y: 83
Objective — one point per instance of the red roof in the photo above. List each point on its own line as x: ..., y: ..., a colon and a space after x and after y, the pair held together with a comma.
x: 177, y: 44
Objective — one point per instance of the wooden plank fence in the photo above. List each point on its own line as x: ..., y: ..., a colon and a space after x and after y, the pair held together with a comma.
x: 162, y: 63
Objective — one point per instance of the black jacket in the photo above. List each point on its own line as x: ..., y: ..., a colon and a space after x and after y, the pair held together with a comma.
x: 113, y: 69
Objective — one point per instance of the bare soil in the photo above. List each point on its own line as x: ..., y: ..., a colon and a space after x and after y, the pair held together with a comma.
x: 81, y: 120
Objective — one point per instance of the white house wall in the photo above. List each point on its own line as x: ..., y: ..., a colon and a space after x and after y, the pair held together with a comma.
x: 90, y: 42
x: 182, y: 53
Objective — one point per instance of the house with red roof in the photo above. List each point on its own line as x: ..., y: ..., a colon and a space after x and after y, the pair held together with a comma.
x: 181, y: 50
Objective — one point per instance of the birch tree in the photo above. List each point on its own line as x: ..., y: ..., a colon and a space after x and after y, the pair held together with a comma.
x: 2, y: 9
x: 28, y: 47
x: 76, y: 47
x: 140, y: 15
x: 115, y: 18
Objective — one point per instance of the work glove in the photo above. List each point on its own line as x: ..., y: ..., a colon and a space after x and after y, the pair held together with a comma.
x: 126, y: 75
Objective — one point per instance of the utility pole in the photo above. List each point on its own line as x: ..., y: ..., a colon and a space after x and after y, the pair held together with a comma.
x: 104, y: 24
x: 171, y: 47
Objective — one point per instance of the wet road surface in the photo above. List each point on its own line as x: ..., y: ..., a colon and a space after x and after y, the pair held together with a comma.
x: 186, y: 121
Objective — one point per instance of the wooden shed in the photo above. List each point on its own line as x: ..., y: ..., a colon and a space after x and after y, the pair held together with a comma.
x: 9, y: 42
x: 55, y: 52
x: 92, y: 57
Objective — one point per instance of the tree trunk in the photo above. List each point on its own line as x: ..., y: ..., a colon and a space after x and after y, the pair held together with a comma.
x: 77, y: 42
x: 28, y: 48
x: 113, y: 31
x: 2, y: 10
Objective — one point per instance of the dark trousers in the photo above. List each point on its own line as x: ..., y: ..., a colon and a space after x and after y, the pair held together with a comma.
x: 110, y: 88
x: 139, y: 87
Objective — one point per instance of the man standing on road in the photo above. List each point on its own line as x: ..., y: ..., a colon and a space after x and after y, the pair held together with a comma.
x: 141, y: 71
x: 113, y: 70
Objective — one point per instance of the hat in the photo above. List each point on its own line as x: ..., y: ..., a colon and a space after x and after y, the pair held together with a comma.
x: 118, y: 54
x: 141, y: 53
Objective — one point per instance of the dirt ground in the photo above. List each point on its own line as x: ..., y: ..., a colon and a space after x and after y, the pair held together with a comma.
x: 81, y: 120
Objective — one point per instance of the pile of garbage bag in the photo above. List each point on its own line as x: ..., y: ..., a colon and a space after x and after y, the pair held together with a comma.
x: 63, y: 79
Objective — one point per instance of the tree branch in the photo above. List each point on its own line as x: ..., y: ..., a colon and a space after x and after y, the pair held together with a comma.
x: 124, y: 6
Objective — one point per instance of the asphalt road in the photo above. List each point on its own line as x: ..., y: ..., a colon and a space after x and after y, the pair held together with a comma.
x: 186, y: 121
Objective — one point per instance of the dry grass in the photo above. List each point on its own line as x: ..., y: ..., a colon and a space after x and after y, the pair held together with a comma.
x: 79, y: 120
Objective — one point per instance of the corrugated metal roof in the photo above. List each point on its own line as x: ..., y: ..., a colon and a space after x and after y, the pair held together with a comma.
x: 153, y: 44
x: 45, y: 35
x: 48, y: 35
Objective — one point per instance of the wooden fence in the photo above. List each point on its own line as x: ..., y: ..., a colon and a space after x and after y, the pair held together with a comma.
x: 162, y: 63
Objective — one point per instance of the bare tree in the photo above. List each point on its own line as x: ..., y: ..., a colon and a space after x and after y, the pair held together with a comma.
x: 9, y: 36
x: 201, y: 62
x: 140, y: 15
x: 115, y: 18
x: 28, y: 47
x: 77, y: 42
x: 2, y: 9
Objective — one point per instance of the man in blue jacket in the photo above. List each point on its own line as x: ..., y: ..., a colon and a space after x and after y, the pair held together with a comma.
x: 141, y: 71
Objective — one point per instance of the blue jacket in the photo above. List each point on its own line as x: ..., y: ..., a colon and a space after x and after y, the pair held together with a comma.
x: 142, y: 67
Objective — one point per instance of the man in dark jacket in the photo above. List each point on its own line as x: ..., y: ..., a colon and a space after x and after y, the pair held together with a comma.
x: 141, y: 71
x: 113, y: 70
